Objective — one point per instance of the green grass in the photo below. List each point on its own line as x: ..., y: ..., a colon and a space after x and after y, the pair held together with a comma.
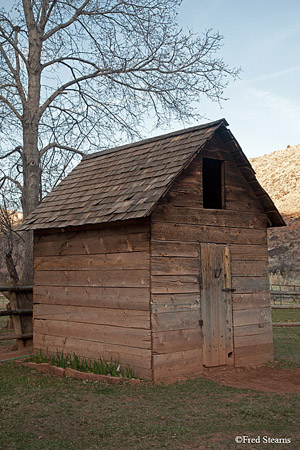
x: 286, y: 340
x: 287, y: 346
x: 99, y: 366
x: 44, y: 412
x: 286, y: 315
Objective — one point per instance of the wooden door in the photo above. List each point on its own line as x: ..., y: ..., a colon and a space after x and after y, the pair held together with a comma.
x: 216, y: 305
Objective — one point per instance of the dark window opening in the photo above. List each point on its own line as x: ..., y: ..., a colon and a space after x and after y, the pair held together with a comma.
x: 213, y: 183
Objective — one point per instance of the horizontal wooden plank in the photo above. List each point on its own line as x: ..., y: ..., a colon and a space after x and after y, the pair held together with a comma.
x: 252, y: 330
x: 138, y: 359
x: 89, y: 243
x: 243, y: 206
x: 175, y: 284
x: 248, y: 285
x: 107, y: 278
x: 238, y: 196
x: 250, y: 301
x: 216, y: 153
x: 233, y: 174
x: 249, y: 252
x: 9, y: 337
x: 171, y: 248
x: 100, y: 297
x: 285, y: 293
x: 221, y: 218
x: 250, y: 317
x: 174, y: 266
x: 118, y: 261
x: 84, y: 232
x: 285, y: 306
x: 167, y: 301
x: 250, y: 268
x: 26, y: 289
x: 252, y: 350
x: 177, y: 365
x: 255, y: 339
x: 209, y: 234
x: 184, y: 198
x: 16, y: 312
x: 175, y: 320
x: 131, y: 337
x: 191, y: 186
x: 178, y: 340
x: 90, y: 315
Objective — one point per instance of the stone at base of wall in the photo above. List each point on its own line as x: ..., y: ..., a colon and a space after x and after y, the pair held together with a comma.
x: 72, y: 373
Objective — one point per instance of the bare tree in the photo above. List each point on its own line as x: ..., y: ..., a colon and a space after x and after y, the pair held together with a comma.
x: 11, y: 249
x: 77, y: 74
x: 10, y: 242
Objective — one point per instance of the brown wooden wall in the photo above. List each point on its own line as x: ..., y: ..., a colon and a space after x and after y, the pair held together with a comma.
x: 92, y: 294
x: 179, y: 224
x: 92, y: 286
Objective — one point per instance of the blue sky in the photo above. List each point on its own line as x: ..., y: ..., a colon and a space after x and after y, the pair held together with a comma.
x: 263, y: 38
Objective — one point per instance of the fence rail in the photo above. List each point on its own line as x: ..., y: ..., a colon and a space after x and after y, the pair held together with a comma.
x: 9, y: 337
x: 285, y: 293
x: 16, y: 288
x: 17, y: 312
x: 286, y: 324
x: 22, y: 325
x: 285, y: 306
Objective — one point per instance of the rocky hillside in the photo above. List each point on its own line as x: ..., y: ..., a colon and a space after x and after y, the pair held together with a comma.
x: 279, y: 174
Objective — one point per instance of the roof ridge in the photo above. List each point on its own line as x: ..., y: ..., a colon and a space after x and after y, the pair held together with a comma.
x: 156, y: 138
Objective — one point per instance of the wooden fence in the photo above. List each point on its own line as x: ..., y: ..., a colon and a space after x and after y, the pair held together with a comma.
x: 285, y: 294
x: 21, y: 326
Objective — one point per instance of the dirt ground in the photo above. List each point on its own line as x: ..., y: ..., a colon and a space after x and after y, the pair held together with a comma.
x: 10, y: 352
x: 266, y: 379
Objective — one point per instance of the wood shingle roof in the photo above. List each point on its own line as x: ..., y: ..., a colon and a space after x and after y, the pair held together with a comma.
x: 125, y: 182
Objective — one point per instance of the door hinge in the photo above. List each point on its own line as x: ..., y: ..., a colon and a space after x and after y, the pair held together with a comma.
x: 228, y: 290
x: 201, y: 323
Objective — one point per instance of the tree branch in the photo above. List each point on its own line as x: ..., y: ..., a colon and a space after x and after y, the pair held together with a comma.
x: 17, y: 149
x: 78, y: 12
x: 62, y: 88
x: 62, y: 147
x: 11, y: 107
x: 46, y: 14
x: 16, y: 48
x: 69, y: 58
x: 12, y: 180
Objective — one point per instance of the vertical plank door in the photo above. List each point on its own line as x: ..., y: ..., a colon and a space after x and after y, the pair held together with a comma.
x: 216, y: 306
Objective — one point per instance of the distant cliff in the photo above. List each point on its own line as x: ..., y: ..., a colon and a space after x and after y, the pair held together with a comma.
x: 279, y: 174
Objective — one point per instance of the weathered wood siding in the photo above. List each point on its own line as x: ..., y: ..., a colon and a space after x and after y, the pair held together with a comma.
x: 92, y: 294
x: 179, y: 224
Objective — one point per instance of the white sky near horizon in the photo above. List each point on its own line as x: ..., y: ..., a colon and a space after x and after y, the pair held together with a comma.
x: 263, y: 38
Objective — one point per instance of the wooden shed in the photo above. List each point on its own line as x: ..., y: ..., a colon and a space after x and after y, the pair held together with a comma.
x: 155, y: 254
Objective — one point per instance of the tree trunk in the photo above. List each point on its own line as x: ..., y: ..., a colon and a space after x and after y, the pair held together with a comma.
x: 30, y: 196
x: 31, y: 157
